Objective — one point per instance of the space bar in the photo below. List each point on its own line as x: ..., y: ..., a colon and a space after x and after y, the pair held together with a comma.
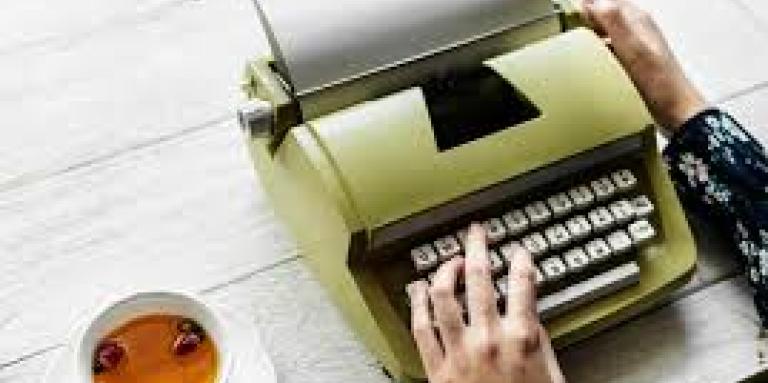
x: 588, y: 290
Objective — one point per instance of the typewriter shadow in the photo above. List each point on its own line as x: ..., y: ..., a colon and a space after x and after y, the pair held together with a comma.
x: 658, y: 345
x: 641, y: 349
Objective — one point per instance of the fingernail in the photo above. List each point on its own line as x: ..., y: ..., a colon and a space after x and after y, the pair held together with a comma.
x: 410, y: 289
x: 520, y: 254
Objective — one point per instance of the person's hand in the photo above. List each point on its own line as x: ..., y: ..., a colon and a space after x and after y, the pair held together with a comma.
x: 492, y: 348
x: 645, y: 54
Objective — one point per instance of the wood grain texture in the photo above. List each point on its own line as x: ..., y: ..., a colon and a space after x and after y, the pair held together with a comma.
x: 301, y: 330
x: 759, y: 8
x: 99, y: 81
x: 184, y: 213
x: 711, y: 336
x: 752, y: 111
x: 717, y: 43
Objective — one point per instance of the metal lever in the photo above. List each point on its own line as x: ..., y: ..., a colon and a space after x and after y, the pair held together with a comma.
x: 256, y: 117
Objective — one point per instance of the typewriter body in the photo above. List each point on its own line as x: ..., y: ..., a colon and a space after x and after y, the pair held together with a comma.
x: 378, y: 151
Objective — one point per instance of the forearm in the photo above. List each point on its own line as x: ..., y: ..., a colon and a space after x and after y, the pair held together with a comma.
x: 721, y: 170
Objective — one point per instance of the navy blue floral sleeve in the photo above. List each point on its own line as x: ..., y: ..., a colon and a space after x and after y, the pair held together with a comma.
x: 723, y: 171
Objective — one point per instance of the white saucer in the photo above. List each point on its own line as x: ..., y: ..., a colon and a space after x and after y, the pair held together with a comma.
x: 251, y: 362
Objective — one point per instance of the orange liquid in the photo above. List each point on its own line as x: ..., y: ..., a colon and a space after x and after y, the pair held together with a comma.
x: 149, y: 356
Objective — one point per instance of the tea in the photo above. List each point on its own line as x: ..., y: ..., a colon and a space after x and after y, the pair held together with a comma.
x: 156, y: 349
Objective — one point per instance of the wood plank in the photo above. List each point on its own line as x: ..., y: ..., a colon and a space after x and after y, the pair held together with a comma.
x: 303, y: 333
x: 752, y: 112
x: 717, y: 44
x: 30, y: 371
x: 710, y: 336
x: 39, y: 25
x: 184, y: 213
x: 759, y: 8
x: 171, y: 67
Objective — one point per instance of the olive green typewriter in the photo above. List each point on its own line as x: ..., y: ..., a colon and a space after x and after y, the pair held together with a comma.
x: 382, y: 128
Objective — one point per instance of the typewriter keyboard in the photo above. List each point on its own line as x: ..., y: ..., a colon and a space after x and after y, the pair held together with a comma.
x: 583, y: 241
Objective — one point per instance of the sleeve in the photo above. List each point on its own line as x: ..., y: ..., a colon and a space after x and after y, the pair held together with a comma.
x: 719, y: 169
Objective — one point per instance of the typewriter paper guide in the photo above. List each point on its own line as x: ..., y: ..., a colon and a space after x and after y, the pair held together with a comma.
x: 385, y: 150
x: 322, y: 42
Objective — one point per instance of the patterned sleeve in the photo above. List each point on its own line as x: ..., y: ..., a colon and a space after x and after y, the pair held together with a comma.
x: 721, y: 170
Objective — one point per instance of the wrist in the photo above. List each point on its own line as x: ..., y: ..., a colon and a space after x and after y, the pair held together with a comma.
x: 690, y: 103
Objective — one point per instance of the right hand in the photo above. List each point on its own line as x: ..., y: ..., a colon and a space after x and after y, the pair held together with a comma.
x: 491, y: 348
x: 642, y: 50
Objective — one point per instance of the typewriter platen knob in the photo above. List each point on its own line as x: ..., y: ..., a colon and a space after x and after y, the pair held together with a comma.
x: 256, y: 117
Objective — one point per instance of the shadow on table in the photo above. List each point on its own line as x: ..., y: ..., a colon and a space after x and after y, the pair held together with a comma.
x: 645, y: 348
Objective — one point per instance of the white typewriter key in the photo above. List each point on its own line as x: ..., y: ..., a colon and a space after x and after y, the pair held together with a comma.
x: 624, y: 180
x: 497, y: 264
x: 558, y: 236
x: 507, y: 252
x: 579, y: 227
x: 560, y: 205
x: 582, y: 196
x: 576, y: 259
x: 619, y: 241
x: 603, y: 188
x: 643, y: 206
x: 424, y: 258
x: 554, y: 268
x: 495, y: 230
x: 601, y: 219
x: 641, y: 232
x: 535, y: 244
x: 622, y: 211
x: 517, y: 222
x: 447, y: 247
x: 598, y: 250
x: 538, y: 213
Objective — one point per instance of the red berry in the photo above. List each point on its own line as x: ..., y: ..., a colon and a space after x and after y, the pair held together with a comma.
x: 190, y: 326
x: 186, y: 343
x: 108, y: 355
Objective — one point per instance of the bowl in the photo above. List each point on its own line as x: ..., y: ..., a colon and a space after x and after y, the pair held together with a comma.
x: 123, y: 310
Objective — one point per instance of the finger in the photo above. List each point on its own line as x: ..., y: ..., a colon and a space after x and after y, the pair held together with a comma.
x: 481, y: 300
x: 606, y: 16
x: 446, y: 306
x: 521, y: 288
x: 588, y: 13
x: 550, y: 359
x: 421, y: 326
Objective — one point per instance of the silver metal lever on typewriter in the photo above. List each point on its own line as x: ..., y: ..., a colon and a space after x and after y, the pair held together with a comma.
x: 257, y: 117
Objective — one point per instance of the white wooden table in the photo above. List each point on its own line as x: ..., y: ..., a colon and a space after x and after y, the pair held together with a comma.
x: 121, y: 167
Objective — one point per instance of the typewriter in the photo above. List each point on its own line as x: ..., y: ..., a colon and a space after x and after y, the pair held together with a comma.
x: 382, y: 128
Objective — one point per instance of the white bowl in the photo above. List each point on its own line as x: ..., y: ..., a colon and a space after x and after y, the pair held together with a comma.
x: 140, y: 304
